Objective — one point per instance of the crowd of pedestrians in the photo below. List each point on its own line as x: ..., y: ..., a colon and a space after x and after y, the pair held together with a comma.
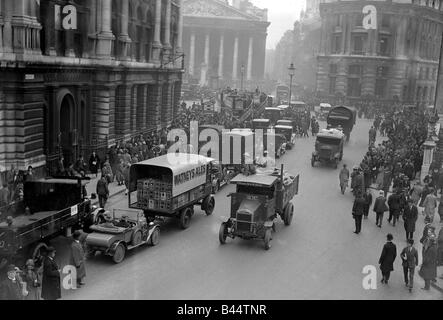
x: 392, y: 167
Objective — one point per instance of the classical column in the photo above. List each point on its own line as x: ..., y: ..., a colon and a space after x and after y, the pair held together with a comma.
x: 157, y: 45
x: 250, y: 56
x: 123, y: 37
x: 7, y: 27
x: 221, y: 56
x: 400, y: 36
x: 167, y: 40
x: 205, y: 66
x: 192, y: 54
x: 235, y: 60
x: 180, y: 27
x: 105, y: 37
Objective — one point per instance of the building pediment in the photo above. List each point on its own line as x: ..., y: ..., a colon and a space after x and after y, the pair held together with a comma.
x: 214, y: 9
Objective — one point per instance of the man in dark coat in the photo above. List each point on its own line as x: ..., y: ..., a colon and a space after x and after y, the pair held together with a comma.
x: 428, y: 269
x: 358, y: 211
x: 94, y: 163
x: 102, y: 191
x: 78, y: 258
x: 409, y: 255
x: 51, y: 289
x: 380, y: 208
x: 394, y: 207
x: 410, y: 216
x: 368, y: 202
x: 387, y: 259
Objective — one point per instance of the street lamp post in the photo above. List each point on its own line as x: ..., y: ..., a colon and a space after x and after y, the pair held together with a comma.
x: 242, y: 76
x: 291, y: 70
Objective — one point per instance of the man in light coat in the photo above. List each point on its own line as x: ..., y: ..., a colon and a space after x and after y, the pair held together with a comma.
x: 430, y: 204
x: 344, y: 178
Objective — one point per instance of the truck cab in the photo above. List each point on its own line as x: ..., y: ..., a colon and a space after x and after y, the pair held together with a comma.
x: 258, y: 201
x: 51, y: 207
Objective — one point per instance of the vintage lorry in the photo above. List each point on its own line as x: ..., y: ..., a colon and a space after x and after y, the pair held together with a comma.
x: 171, y: 185
x: 258, y: 201
x: 50, y: 207
x: 328, y: 147
x: 342, y: 117
x: 288, y: 132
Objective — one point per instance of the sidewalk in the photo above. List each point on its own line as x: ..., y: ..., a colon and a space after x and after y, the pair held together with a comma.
x: 114, y: 189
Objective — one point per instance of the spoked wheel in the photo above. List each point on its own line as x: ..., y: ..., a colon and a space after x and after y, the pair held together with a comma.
x: 209, y: 205
x: 155, y: 237
x: 288, y: 214
x: 185, y: 218
x: 119, y: 254
x: 38, y: 252
x: 268, y: 238
x: 223, y: 233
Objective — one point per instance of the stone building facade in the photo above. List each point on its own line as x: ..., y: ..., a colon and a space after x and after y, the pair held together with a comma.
x: 397, y: 61
x: 116, y: 75
x: 224, y: 42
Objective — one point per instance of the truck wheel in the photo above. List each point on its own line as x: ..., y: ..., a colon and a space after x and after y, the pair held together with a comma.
x: 268, y: 238
x: 223, y: 233
x: 119, y: 254
x: 209, y: 205
x: 185, y: 218
x: 288, y: 214
x: 137, y: 238
x: 155, y: 237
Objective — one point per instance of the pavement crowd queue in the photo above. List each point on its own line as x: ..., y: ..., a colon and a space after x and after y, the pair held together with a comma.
x: 393, y: 168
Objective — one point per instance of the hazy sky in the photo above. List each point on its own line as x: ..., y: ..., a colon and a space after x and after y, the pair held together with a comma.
x: 282, y: 14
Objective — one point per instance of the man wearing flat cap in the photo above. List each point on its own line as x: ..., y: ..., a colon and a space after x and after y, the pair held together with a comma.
x: 78, y: 258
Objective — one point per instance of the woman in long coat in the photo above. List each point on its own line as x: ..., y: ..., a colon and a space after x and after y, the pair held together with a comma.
x: 94, y: 163
x: 387, y: 259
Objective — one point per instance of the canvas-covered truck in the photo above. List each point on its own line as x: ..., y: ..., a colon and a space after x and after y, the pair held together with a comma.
x: 50, y: 208
x: 258, y: 201
x: 171, y: 185
x: 344, y: 117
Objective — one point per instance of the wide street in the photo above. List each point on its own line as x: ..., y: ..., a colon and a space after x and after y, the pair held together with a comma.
x: 318, y: 257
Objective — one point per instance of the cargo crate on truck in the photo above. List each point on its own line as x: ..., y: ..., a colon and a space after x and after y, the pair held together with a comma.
x: 171, y: 185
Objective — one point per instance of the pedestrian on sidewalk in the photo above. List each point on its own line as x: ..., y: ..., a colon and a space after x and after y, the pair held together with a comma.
x: 415, y: 193
x: 344, y: 178
x: 394, y: 207
x: 410, y: 216
x: 409, y: 255
x: 430, y: 204
x: 102, y: 191
x: 119, y: 174
x: 387, y: 259
x: 94, y: 163
x: 51, y: 289
x: 440, y: 249
x: 78, y: 258
x: 380, y: 207
x: 126, y: 171
x: 428, y: 269
x: 368, y: 202
x: 33, y: 281
x: 358, y: 211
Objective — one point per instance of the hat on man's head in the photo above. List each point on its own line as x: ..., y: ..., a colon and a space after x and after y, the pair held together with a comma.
x: 11, y: 268
x: 77, y: 234
x: 381, y: 193
x: 50, y: 250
